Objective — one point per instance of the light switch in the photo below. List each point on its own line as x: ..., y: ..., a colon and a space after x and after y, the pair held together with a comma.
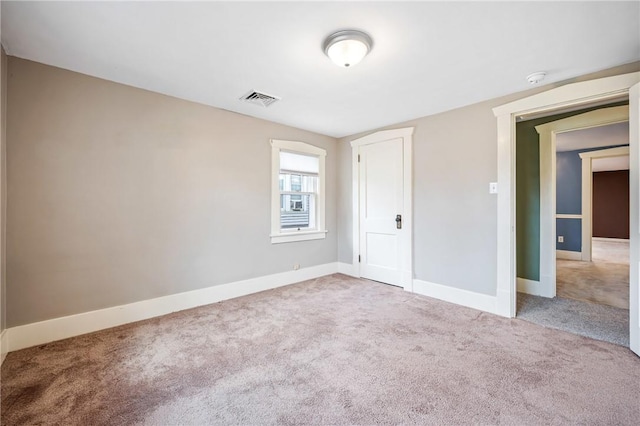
x: 493, y: 187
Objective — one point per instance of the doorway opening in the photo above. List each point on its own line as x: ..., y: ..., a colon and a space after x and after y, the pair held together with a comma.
x: 579, y: 153
x: 574, y: 95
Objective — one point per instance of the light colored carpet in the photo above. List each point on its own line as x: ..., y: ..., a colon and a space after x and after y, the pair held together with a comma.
x: 335, y: 350
x: 601, y: 322
x: 605, y: 280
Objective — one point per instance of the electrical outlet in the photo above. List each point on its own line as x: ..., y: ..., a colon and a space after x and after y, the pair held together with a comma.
x: 296, y: 266
x: 560, y: 239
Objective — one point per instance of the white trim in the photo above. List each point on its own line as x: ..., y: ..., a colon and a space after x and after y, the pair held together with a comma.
x: 406, y: 132
x: 568, y: 255
x: 4, y: 346
x: 568, y: 216
x: 610, y: 240
x: 548, y: 133
x: 28, y: 335
x: 407, y: 221
x: 355, y: 210
x: 634, y: 215
x: 548, y: 172
x: 574, y: 94
x: 298, y: 236
x: 277, y: 234
x: 347, y: 269
x: 608, y: 152
x: 587, y: 192
x: 470, y: 299
x: 530, y: 287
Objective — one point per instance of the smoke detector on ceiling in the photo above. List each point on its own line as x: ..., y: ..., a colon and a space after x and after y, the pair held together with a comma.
x: 536, y: 77
x: 259, y: 98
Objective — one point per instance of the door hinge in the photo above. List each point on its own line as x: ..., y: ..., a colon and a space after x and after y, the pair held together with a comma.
x: 358, y: 158
x: 358, y: 258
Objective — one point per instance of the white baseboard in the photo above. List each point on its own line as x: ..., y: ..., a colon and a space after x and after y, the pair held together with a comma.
x: 611, y: 240
x: 470, y: 299
x: 4, y: 347
x: 38, y: 333
x: 529, y: 286
x: 24, y: 336
x: 503, y: 304
x: 347, y: 269
x: 568, y: 255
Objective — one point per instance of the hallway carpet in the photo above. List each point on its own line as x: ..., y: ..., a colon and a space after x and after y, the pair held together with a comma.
x: 605, y: 280
x: 600, y: 322
x: 335, y: 350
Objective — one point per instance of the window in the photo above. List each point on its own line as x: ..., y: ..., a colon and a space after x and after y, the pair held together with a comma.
x: 297, y: 192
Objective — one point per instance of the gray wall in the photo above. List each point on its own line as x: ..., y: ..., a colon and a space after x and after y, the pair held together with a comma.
x: 117, y: 195
x: 455, y: 217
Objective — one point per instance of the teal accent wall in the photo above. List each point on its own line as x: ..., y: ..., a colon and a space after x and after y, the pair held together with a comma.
x: 528, y: 199
x: 528, y: 192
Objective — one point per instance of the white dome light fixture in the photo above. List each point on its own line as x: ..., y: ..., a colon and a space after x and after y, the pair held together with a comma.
x: 347, y: 47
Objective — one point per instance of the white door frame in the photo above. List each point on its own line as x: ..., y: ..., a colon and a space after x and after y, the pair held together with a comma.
x: 406, y: 244
x: 634, y: 216
x: 574, y: 94
x: 587, y: 192
x: 548, y: 133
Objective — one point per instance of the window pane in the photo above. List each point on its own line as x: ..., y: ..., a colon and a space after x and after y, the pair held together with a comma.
x: 298, y: 183
x: 309, y: 184
x: 297, y: 211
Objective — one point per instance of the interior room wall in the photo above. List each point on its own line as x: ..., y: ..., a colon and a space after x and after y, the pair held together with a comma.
x: 117, y: 195
x: 569, y: 200
x: 569, y: 197
x: 455, y: 217
x: 454, y: 214
x: 610, y: 204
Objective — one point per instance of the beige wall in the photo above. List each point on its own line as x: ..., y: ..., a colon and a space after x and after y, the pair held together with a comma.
x: 117, y: 195
x: 455, y: 217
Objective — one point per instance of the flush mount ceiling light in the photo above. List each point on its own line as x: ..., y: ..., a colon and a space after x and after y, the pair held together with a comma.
x: 347, y: 47
x: 536, y: 77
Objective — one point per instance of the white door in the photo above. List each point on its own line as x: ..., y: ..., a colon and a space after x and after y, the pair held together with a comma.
x: 634, y: 236
x: 381, y: 211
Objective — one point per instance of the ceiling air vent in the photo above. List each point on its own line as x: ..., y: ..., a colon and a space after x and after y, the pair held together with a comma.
x: 259, y: 98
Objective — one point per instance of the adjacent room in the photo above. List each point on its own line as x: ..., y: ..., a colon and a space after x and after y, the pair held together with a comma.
x: 589, y: 227
x: 319, y: 212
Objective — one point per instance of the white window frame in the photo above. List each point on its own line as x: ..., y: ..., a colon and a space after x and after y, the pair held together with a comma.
x: 279, y: 235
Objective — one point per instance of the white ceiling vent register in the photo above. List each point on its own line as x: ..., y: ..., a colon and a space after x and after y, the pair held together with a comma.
x: 259, y: 98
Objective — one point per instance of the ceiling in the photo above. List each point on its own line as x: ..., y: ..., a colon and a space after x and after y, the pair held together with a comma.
x: 427, y: 57
x: 594, y: 137
x: 598, y: 137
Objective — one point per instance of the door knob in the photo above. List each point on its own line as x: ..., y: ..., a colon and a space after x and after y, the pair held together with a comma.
x: 399, y: 221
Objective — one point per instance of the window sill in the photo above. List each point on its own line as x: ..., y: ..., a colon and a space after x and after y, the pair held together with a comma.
x: 297, y: 236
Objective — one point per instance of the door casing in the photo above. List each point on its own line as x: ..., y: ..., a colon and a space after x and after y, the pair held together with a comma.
x: 548, y: 133
x: 575, y: 94
x: 406, y: 247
